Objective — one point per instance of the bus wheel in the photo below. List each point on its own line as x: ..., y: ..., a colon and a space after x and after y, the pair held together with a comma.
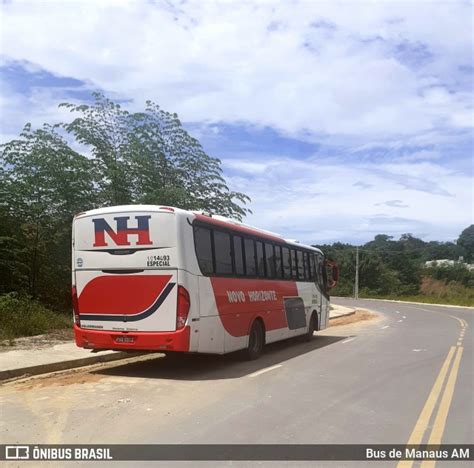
x: 256, y: 341
x: 311, y: 327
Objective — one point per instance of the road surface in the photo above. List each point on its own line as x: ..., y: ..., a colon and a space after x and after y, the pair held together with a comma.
x: 405, y: 376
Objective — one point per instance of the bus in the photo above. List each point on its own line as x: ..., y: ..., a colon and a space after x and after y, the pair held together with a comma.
x: 164, y: 279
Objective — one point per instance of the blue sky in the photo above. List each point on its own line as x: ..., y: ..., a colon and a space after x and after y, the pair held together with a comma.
x: 341, y: 120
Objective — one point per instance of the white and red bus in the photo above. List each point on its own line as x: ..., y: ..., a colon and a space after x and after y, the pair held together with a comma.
x: 165, y: 279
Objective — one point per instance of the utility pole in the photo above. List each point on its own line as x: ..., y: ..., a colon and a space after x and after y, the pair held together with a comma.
x: 356, y: 286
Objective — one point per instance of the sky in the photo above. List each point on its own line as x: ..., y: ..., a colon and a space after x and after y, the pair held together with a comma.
x: 341, y: 120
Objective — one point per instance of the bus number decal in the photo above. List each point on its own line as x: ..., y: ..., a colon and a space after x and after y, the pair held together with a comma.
x: 158, y: 261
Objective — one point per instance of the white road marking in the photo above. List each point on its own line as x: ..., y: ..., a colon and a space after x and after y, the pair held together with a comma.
x: 350, y: 339
x: 267, y: 369
x: 404, y: 316
x: 397, y: 311
x: 386, y: 326
x: 401, y: 320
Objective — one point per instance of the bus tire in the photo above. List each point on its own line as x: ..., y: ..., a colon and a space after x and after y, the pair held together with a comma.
x: 256, y: 341
x: 312, y: 327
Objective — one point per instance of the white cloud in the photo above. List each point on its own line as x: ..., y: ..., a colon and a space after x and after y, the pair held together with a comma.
x: 359, y: 76
x: 320, y: 67
x: 321, y: 200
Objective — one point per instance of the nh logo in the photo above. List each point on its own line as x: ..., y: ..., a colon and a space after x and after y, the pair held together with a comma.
x: 120, y: 237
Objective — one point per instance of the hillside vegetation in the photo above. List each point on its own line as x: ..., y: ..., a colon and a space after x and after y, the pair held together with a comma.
x: 395, y: 269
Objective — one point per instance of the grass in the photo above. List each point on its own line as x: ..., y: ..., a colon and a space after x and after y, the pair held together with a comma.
x: 21, y: 316
x: 434, y: 291
x: 425, y: 299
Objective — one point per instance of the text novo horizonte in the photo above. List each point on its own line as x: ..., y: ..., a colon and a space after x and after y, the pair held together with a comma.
x: 252, y: 296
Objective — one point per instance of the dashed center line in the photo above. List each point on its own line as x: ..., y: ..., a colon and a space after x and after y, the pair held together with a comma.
x: 386, y: 326
x: 349, y: 339
x: 262, y: 371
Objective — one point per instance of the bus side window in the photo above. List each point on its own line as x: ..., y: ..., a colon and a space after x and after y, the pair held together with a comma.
x: 260, y: 260
x: 324, y: 275
x: 286, y: 262
x: 294, y: 270
x: 270, y: 258
x: 222, y: 253
x: 314, y: 268
x: 278, y: 262
x: 307, y: 269
x: 250, y: 269
x: 203, y: 247
x: 300, y: 264
x: 238, y: 256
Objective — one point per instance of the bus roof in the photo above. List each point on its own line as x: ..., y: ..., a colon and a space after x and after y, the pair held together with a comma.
x: 202, y: 216
x: 126, y: 208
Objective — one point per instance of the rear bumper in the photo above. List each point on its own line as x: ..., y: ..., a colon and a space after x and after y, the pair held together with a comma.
x: 143, y: 341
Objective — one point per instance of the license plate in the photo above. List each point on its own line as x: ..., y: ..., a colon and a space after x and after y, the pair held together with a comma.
x: 124, y: 339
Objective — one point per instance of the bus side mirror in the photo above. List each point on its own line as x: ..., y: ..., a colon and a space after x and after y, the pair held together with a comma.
x: 332, y: 283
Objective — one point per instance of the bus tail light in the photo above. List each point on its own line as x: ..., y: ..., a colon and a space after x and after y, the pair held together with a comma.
x: 183, y: 306
x: 75, y: 306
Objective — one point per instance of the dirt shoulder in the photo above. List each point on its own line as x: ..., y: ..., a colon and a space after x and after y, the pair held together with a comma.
x: 360, y: 315
x: 38, y: 341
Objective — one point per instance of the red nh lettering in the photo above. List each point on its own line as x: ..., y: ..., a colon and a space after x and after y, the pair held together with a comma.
x: 123, y: 231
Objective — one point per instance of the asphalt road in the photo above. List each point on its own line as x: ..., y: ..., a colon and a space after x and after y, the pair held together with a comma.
x: 405, y: 376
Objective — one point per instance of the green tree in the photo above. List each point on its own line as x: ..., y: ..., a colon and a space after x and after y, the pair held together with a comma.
x: 435, y: 250
x: 13, y: 274
x: 344, y: 255
x: 148, y: 157
x: 466, y: 241
x: 43, y: 184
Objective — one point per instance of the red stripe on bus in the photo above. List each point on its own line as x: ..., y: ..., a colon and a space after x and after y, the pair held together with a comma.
x: 240, y: 301
x: 119, y: 294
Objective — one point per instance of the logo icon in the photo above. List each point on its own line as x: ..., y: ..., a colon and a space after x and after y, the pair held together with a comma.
x: 120, y: 236
x: 79, y: 262
x: 17, y: 452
